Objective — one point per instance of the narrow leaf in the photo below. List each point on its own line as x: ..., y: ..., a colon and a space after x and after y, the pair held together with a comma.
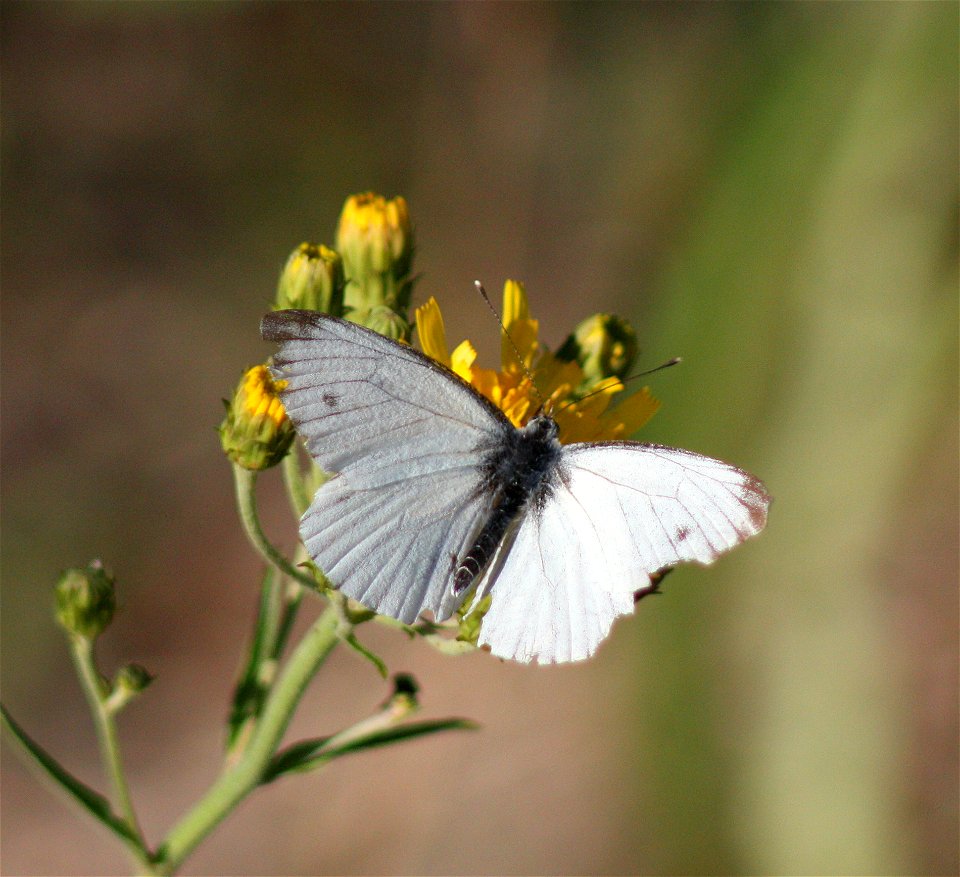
x: 92, y: 801
x: 291, y: 758
x: 398, y: 733
x: 311, y: 754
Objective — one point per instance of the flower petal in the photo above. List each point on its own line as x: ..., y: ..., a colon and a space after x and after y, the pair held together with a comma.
x: 515, y: 305
x: 462, y: 359
x: 632, y: 413
x: 521, y: 330
x: 433, y: 336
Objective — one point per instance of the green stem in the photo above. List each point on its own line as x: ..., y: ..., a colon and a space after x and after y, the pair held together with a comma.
x: 246, y: 774
x: 81, y: 649
x: 291, y: 603
x: 244, y: 481
x: 295, y: 483
x: 268, y: 616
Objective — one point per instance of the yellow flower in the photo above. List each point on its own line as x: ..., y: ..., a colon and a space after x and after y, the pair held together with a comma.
x: 580, y: 407
x: 374, y: 234
x: 375, y: 241
x: 256, y: 433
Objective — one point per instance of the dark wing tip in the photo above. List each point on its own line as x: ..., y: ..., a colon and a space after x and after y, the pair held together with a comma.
x: 288, y: 325
x: 757, y: 501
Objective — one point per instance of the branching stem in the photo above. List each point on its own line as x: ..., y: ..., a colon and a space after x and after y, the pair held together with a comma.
x: 240, y: 779
x: 81, y: 649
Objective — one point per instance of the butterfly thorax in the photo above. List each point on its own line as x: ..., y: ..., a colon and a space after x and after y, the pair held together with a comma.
x: 516, y: 471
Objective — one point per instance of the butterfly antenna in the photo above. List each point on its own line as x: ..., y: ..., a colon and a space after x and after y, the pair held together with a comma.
x: 675, y: 361
x: 516, y: 350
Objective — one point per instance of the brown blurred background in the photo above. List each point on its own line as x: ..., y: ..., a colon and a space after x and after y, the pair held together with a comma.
x: 769, y: 191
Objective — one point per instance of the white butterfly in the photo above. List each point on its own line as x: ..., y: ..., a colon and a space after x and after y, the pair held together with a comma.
x: 435, y: 491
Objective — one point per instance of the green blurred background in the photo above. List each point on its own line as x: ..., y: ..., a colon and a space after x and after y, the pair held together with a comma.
x: 768, y: 190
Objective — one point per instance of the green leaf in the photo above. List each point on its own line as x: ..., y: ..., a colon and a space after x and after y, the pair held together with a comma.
x: 292, y: 758
x: 311, y: 754
x: 92, y: 801
x: 361, y: 649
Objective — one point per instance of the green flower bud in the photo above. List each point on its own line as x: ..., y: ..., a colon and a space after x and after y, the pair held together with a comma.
x: 385, y: 321
x: 403, y: 701
x: 256, y: 433
x: 86, y: 600
x: 133, y: 678
x: 312, y: 280
x: 603, y: 345
x: 130, y: 681
x: 375, y: 239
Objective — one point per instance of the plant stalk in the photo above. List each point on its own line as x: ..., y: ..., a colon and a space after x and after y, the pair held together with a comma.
x: 81, y: 649
x: 240, y: 779
x: 244, y: 481
x: 295, y: 483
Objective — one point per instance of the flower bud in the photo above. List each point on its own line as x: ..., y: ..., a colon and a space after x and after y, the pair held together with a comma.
x: 375, y: 240
x: 385, y: 321
x: 133, y: 678
x: 312, y: 280
x: 256, y: 433
x: 603, y: 345
x: 403, y: 701
x: 86, y: 600
x: 130, y: 681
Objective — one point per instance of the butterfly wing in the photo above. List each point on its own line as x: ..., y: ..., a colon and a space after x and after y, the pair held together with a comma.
x: 612, y: 515
x: 401, y: 434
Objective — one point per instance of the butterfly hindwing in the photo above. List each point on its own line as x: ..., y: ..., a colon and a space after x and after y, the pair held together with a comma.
x: 552, y: 599
x: 394, y: 547
x: 616, y: 513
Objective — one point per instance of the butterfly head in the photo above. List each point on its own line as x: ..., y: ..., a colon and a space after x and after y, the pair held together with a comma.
x: 541, y: 428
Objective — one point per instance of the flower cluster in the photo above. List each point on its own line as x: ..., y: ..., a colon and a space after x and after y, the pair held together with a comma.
x: 368, y: 280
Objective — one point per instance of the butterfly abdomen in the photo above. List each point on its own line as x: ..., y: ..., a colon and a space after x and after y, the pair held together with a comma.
x: 515, y: 472
x: 477, y: 558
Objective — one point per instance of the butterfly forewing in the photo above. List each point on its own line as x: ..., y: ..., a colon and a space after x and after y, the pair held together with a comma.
x: 674, y: 505
x: 365, y: 403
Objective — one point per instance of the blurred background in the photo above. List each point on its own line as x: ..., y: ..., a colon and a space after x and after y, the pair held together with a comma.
x: 767, y: 190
